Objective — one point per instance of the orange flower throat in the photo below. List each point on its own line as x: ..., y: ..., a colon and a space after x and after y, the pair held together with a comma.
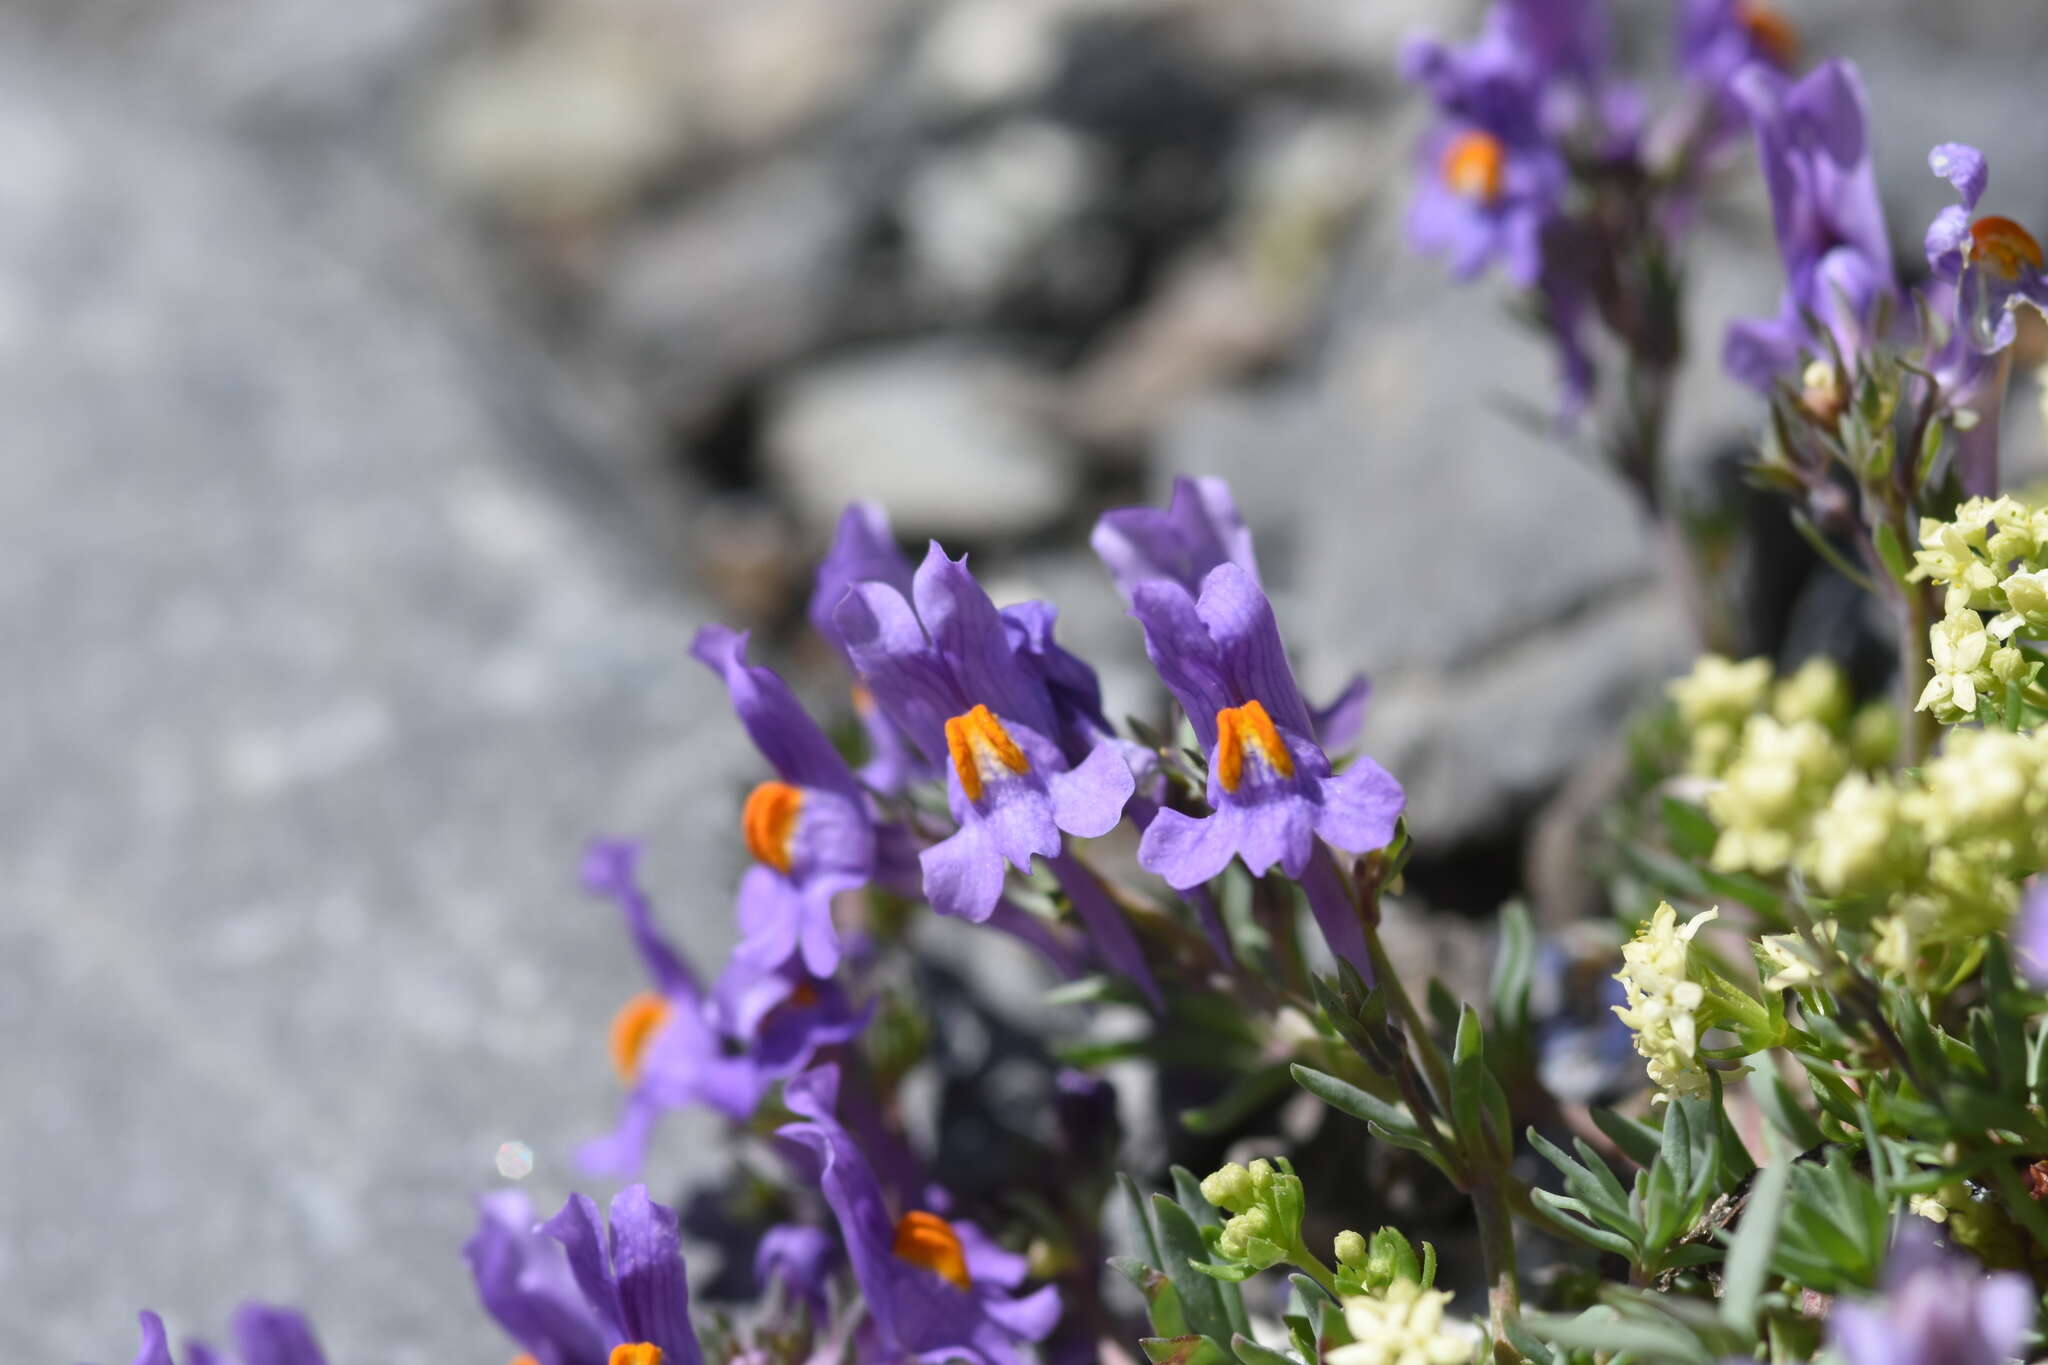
x: 769, y: 822
x: 981, y: 750
x: 1473, y: 166
x: 927, y: 1240
x: 1248, y: 727
x: 633, y: 1028
x: 639, y: 1353
x: 1770, y: 31
x: 2004, y: 246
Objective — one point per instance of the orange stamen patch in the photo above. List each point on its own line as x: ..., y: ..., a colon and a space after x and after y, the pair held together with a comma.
x: 2004, y: 246
x: 1473, y: 166
x: 1771, y: 31
x: 633, y: 1027
x: 524, y: 1360
x: 769, y: 822
x: 927, y: 1240
x: 638, y: 1353
x: 1242, y: 727
x: 981, y: 750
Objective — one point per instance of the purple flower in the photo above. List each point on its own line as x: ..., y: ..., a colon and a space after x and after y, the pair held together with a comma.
x: 1994, y: 263
x: 936, y: 1290
x: 1717, y: 38
x: 676, y: 1046
x: 1200, y: 529
x: 1938, y: 1309
x: 632, y: 1281
x: 1970, y: 386
x: 263, y: 1336
x: 809, y: 830
x: 1813, y: 139
x: 1271, y: 791
x: 1487, y: 180
x: 798, y: 1258
x: 2030, y: 935
x: 947, y: 671
x: 524, y: 1282
x: 864, y: 550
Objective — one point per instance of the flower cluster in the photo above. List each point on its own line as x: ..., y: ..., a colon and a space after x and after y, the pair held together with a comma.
x: 1664, y: 999
x: 1989, y: 557
x: 1850, y: 928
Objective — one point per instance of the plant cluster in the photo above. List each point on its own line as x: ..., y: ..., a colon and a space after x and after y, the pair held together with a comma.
x: 1829, y: 950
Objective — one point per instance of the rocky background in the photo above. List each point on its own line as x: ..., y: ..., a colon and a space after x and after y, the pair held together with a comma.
x: 389, y: 388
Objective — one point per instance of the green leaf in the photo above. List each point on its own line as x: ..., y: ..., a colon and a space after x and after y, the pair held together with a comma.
x: 1889, y: 549
x: 1355, y: 1102
x: 1569, y: 1217
x: 1162, y: 1304
x: 1142, y: 1236
x: 1513, y: 966
x: 1775, y: 1098
x: 1244, y: 1097
x: 1604, y: 1330
x: 1692, y: 833
x: 1251, y: 1353
x: 1180, y: 1246
x: 1468, y: 1081
x: 1192, y: 1349
x: 1637, y: 1140
x: 1749, y: 1251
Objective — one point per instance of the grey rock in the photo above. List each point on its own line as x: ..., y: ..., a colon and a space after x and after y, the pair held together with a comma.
x: 953, y: 438
x: 578, y: 107
x: 977, y: 215
x: 1479, y: 748
x: 1409, y: 526
x: 734, y: 284
x: 326, y: 652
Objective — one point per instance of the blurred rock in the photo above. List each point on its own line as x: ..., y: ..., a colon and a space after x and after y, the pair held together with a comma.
x: 1232, y: 306
x: 328, y: 648
x: 987, y: 52
x: 579, y: 108
x: 1490, y: 582
x: 952, y: 437
x: 564, y: 121
x: 731, y: 285
x: 1477, y: 749
x: 1210, y: 321
x: 979, y: 216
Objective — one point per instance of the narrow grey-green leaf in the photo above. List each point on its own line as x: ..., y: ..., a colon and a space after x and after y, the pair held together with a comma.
x: 1749, y: 1252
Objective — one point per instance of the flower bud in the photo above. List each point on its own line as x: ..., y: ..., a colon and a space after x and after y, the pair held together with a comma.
x: 1229, y: 1188
x: 1351, y: 1248
x: 1820, y: 391
x: 2028, y: 594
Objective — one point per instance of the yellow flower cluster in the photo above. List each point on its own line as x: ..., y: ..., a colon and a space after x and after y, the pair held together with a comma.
x: 1981, y: 809
x: 1405, y: 1325
x: 1989, y: 558
x: 1664, y: 1000
x: 1914, y: 870
x: 1780, y: 777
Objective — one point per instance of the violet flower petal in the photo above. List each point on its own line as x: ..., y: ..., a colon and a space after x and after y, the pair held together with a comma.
x: 647, y: 1266
x: 265, y: 1335
x: 963, y: 874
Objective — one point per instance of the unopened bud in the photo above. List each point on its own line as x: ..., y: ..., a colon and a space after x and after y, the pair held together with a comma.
x: 1351, y: 1248
x: 1820, y: 391
x: 1229, y: 1188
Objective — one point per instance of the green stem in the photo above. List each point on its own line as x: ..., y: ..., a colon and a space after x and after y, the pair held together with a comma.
x: 1312, y: 1265
x: 1433, y: 1060
x: 1497, y: 1250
